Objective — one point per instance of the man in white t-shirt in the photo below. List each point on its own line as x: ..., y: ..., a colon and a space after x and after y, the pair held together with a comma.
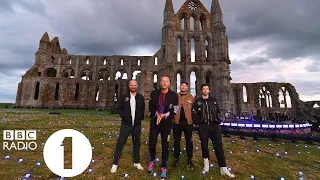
x: 131, y: 111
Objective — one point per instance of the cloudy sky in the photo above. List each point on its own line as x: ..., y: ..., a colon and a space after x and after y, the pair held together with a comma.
x: 269, y: 40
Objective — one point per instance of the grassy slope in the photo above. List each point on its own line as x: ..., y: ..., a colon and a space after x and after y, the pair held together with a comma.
x: 98, y: 124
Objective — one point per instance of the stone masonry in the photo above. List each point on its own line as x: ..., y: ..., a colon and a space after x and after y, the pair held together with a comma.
x: 194, y: 40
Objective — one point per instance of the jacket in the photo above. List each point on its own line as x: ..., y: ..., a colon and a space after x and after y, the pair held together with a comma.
x: 125, y: 110
x: 206, y: 113
x: 187, y: 102
x: 171, y: 101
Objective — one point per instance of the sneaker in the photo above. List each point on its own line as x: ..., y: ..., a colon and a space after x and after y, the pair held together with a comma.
x: 175, y: 163
x: 225, y: 171
x: 163, y: 173
x: 151, y: 166
x: 138, y: 166
x: 206, y: 165
x: 114, y: 168
x: 190, y: 164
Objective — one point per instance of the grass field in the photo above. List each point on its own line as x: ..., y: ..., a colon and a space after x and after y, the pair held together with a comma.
x: 102, y: 130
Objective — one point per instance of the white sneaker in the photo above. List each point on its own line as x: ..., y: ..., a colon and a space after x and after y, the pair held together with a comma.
x: 206, y: 165
x: 138, y: 166
x: 114, y: 168
x: 225, y: 171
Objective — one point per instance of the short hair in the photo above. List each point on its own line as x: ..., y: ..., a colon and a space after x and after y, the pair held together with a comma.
x: 203, y: 85
x: 132, y: 80
x: 184, y: 82
x: 165, y: 76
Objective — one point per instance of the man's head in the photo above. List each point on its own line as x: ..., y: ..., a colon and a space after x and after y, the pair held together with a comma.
x: 205, y: 89
x: 133, y: 85
x: 165, y: 82
x: 184, y: 86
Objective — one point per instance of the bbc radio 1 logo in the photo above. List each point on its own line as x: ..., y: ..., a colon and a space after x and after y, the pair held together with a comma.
x: 19, y: 140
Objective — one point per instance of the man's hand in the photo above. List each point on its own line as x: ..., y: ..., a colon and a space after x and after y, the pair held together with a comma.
x: 159, y: 117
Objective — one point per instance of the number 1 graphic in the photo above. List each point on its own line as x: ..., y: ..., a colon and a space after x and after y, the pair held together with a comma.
x: 67, y: 154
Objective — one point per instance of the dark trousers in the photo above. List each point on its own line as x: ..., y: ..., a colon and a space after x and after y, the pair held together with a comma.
x: 164, y: 128
x: 125, y: 132
x: 214, y: 133
x: 177, y: 132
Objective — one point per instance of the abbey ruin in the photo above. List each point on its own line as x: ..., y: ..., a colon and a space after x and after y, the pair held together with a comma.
x: 194, y: 46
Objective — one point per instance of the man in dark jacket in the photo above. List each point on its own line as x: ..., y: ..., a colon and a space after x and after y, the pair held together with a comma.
x: 131, y: 111
x: 163, y: 105
x: 206, y: 113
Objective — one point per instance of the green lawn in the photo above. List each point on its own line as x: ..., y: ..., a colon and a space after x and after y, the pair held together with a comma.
x: 102, y: 129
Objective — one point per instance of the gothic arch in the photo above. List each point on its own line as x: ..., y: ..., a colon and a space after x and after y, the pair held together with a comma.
x: 203, y: 22
x: 86, y: 74
x: 121, y: 74
x: 37, y: 91
x: 285, y: 97
x: 103, y: 75
x: 179, y: 47
x: 265, y: 96
x: 51, y: 72
x: 194, y: 81
x: 68, y: 73
x: 182, y: 17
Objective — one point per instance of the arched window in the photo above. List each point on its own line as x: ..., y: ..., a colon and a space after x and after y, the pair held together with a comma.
x: 193, y: 50
x: 155, y: 81
x: 125, y: 76
x: 288, y: 100
x: 244, y: 92
x: 138, y: 62
x: 88, y: 61
x: 105, y: 62
x: 207, y: 50
x: 281, y: 99
x: 121, y: 62
x: 56, y: 96
x: 193, y: 83
x: 118, y: 75
x: 156, y: 61
x: 284, y: 98
x: 51, y: 72
x: 135, y: 74
x: 182, y: 24
x: 192, y: 23
x: 178, y: 82
x: 37, y: 91
x: 178, y: 50
x: 76, y: 94
x: 97, y: 93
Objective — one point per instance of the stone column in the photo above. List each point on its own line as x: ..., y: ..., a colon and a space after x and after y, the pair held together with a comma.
x: 76, y: 75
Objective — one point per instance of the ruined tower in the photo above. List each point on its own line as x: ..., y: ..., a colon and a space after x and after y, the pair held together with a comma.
x: 194, y: 48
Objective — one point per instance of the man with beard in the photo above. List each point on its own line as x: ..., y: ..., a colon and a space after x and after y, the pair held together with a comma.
x: 131, y: 111
x: 206, y: 113
x: 162, y: 106
x: 183, y: 123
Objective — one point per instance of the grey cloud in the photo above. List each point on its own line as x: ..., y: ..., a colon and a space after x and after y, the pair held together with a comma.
x: 287, y: 29
x: 5, y: 6
x: 314, y: 66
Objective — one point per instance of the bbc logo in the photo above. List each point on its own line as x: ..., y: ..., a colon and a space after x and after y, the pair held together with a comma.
x: 19, y: 135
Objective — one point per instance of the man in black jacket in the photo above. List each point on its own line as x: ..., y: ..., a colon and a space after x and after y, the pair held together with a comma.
x: 206, y: 113
x: 131, y: 111
x: 163, y: 105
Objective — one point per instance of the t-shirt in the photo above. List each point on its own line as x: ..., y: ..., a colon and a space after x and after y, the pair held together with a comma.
x: 133, y: 107
x: 162, y: 100
x: 183, y: 119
